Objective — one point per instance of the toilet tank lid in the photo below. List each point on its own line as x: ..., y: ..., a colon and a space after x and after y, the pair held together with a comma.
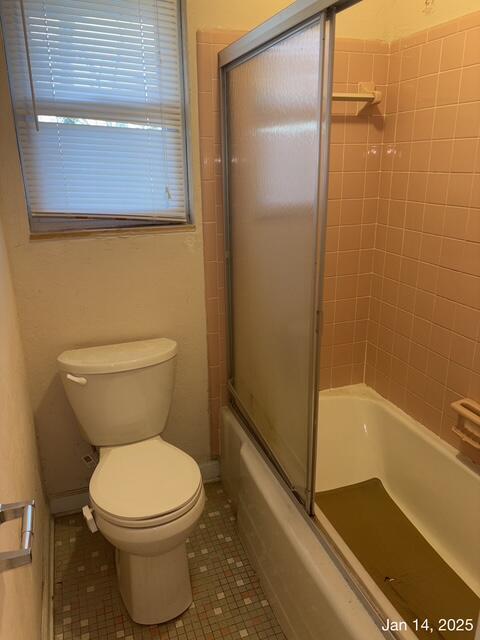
x: 111, y: 358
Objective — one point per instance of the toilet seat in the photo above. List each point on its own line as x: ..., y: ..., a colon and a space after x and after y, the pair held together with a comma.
x: 144, y: 484
x: 147, y: 522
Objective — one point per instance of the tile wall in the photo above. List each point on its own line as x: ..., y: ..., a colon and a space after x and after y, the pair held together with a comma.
x: 209, y: 43
x: 423, y: 337
x: 402, y: 268
x: 355, y: 155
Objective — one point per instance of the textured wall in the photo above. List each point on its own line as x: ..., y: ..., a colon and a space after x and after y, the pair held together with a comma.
x: 407, y: 17
x: 21, y: 589
x: 106, y: 288
x: 392, y: 19
x: 75, y: 292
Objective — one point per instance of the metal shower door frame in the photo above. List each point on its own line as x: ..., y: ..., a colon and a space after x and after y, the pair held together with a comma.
x: 287, y: 22
x: 294, y: 18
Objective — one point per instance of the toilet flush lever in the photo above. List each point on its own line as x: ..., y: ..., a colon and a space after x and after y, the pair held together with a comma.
x: 77, y: 379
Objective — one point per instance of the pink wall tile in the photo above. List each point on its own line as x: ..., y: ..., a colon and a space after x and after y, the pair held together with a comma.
x: 436, y: 338
x: 208, y: 45
x: 402, y: 285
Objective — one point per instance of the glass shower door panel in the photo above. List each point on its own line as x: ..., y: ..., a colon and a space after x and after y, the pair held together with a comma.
x: 273, y: 154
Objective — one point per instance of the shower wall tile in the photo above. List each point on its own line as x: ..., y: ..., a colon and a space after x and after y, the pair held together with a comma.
x: 402, y: 276
x: 423, y: 345
x: 209, y: 43
x: 353, y: 212
x: 356, y: 151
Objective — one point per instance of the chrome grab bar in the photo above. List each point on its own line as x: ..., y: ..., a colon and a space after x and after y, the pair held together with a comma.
x: 12, y: 511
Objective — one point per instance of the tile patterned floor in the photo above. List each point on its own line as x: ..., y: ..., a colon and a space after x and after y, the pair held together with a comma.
x: 229, y: 603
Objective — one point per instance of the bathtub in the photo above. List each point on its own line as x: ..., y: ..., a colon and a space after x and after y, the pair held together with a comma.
x: 311, y: 598
x: 363, y: 436
x: 316, y: 595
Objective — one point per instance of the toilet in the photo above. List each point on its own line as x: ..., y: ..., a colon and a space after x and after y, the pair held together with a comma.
x: 146, y: 495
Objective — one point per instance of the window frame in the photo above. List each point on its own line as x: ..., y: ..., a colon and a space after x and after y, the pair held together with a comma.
x: 41, y: 225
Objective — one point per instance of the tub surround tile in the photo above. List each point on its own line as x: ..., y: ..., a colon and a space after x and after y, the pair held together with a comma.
x: 355, y: 180
x: 426, y: 251
x: 440, y: 246
x: 209, y: 43
x: 402, y: 275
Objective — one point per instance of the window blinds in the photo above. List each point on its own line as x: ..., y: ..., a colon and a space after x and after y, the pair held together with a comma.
x: 104, y: 87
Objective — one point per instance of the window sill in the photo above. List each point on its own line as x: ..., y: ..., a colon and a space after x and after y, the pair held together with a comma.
x: 50, y: 229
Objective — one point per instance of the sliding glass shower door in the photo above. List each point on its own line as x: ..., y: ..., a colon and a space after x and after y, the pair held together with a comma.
x: 274, y: 103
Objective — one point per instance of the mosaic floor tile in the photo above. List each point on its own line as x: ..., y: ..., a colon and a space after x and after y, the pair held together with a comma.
x: 228, y: 601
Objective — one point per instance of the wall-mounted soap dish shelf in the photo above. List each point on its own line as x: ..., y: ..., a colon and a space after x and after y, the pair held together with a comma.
x: 468, y: 424
x: 367, y: 94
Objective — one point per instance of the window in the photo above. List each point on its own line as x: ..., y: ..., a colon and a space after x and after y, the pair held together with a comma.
x: 97, y: 91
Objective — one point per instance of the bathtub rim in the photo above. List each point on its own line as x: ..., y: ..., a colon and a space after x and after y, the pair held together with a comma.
x: 380, y: 609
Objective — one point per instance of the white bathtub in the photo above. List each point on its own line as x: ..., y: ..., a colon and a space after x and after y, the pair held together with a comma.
x: 311, y: 598
x: 362, y: 436
x: 365, y: 436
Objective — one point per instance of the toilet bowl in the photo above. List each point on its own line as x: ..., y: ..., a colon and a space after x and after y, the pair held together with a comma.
x: 147, y: 495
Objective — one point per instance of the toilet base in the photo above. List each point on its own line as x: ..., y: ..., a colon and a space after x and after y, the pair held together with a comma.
x: 154, y: 589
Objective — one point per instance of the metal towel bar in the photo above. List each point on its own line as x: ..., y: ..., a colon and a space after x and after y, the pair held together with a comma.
x: 23, y: 555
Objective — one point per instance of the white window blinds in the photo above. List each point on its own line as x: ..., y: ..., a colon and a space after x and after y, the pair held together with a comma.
x: 104, y: 87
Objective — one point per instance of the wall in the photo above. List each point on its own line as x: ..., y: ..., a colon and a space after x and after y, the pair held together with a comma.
x: 21, y: 589
x: 209, y: 43
x: 424, y: 323
x: 368, y: 20
x: 75, y: 292
x: 355, y: 152
x: 413, y: 291
x: 411, y: 16
x: 371, y: 249
x: 212, y: 26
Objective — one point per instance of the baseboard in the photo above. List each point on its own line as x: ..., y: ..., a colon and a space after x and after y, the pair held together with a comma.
x: 210, y: 470
x: 68, y: 502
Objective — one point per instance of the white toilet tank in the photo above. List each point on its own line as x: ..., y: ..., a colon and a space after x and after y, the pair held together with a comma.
x: 120, y: 393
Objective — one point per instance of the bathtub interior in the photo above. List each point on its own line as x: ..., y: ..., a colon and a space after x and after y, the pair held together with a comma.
x: 363, y: 436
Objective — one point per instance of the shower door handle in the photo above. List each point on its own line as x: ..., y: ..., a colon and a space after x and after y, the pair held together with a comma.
x: 23, y: 555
